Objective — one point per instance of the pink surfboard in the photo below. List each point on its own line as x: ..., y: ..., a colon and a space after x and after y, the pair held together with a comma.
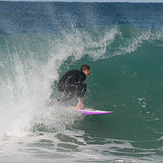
x: 93, y: 111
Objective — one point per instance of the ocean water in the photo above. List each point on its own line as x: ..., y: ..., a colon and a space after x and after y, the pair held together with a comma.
x: 122, y: 43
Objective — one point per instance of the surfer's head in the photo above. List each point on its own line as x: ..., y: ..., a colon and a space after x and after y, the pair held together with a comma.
x: 85, y: 69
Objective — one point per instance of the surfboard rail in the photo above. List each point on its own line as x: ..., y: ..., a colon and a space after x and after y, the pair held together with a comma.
x: 93, y: 111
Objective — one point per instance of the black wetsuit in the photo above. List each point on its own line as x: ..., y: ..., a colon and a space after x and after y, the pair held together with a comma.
x: 72, y: 84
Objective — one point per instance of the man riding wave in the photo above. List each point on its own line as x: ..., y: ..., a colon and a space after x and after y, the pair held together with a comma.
x: 71, y: 84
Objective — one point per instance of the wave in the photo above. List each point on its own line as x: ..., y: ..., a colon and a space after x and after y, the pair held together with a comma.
x: 122, y: 45
x: 31, y: 62
x: 126, y: 76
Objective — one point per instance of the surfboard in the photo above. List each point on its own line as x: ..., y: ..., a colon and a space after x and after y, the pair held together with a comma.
x: 93, y: 111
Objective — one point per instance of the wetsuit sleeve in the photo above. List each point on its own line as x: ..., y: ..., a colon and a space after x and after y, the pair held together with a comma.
x: 81, y: 78
x: 75, y: 78
x: 72, y: 79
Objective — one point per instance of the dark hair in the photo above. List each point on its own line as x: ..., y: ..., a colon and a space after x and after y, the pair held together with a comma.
x: 84, y: 67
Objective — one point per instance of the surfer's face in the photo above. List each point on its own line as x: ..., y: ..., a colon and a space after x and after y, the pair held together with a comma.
x: 86, y: 72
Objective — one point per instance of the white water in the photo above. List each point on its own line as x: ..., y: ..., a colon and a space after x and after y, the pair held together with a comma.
x: 29, y: 70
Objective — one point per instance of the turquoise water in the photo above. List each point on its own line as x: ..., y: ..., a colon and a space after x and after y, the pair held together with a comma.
x: 123, y: 44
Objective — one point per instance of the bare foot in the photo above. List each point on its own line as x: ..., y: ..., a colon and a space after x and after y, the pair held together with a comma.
x: 80, y: 106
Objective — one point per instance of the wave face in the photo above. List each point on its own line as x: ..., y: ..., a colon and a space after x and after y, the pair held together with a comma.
x: 122, y: 43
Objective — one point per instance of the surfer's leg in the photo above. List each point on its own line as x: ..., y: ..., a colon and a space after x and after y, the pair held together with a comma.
x: 80, y: 94
x: 80, y: 104
x: 68, y: 95
x: 81, y: 90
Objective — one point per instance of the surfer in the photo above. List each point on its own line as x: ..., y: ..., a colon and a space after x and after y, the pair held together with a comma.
x: 71, y: 84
